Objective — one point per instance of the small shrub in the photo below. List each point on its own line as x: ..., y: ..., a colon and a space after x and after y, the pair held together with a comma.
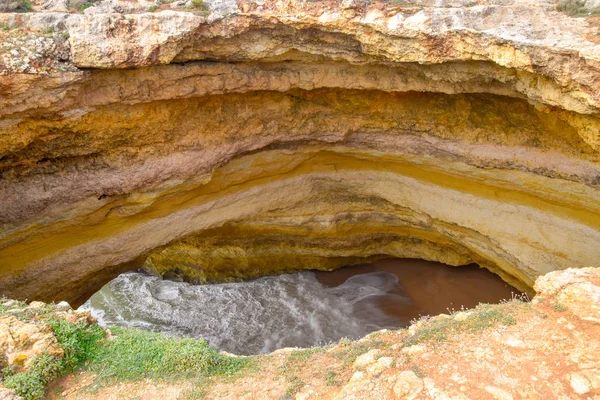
x: 31, y: 385
x: 330, y: 379
x: 152, y: 8
x: 6, y: 371
x: 200, y: 5
x: 559, y: 307
x: 349, y: 353
x: 79, y: 341
x: 294, y: 384
x: 24, y: 6
x: 417, y: 371
x: 46, y: 367
x: 576, y: 8
x: 196, y: 393
x: 47, y: 31
x: 28, y: 386
x: 84, y: 6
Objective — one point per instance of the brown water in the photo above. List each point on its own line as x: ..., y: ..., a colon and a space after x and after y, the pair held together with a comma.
x: 432, y: 288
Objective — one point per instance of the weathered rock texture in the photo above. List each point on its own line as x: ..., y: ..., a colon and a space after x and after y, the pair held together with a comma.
x: 21, y: 342
x: 296, y: 135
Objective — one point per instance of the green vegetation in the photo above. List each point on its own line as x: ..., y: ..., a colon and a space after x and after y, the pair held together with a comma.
x: 331, y: 378
x: 305, y: 354
x: 47, y: 31
x: 20, y: 311
x: 559, y: 307
x: 483, y: 317
x: 576, y: 8
x: 78, y: 342
x: 84, y: 6
x: 6, y: 304
x: 417, y: 371
x: 131, y: 354
x: 294, y: 384
x: 351, y: 351
x: 24, y: 6
x: 198, y: 392
x: 152, y: 8
x: 28, y: 386
x: 200, y: 5
x: 135, y: 354
x: 405, y: 3
x: 31, y: 385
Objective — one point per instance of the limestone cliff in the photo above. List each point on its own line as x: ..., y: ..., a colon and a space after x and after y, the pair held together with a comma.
x: 273, y: 137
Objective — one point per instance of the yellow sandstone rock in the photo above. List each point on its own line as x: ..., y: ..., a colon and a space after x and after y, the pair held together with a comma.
x: 21, y: 342
x: 284, y: 138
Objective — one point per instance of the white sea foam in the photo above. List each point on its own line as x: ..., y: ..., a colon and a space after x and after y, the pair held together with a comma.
x: 250, y: 317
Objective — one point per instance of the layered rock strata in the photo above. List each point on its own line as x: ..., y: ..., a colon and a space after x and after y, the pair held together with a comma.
x: 281, y: 139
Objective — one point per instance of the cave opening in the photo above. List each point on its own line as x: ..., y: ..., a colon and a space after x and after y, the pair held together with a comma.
x: 303, y: 309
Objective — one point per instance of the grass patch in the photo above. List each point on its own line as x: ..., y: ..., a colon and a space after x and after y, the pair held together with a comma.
x: 84, y: 6
x: 135, y: 354
x: 79, y: 341
x: 559, y: 307
x: 576, y: 8
x: 24, y: 6
x: 131, y: 355
x: 6, y: 304
x: 21, y: 311
x: 294, y: 384
x: 331, y: 378
x: 31, y: 385
x: 305, y: 354
x: 405, y: 3
x: 28, y: 386
x: 417, y: 371
x: 484, y: 316
x: 198, y: 392
x: 200, y: 5
x: 349, y: 353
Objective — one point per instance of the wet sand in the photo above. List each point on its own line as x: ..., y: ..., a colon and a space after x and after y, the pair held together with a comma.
x: 431, y: 287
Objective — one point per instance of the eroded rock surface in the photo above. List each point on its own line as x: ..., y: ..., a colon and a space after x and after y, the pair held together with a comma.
x: 21, y: 342
x: 281, y: 136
